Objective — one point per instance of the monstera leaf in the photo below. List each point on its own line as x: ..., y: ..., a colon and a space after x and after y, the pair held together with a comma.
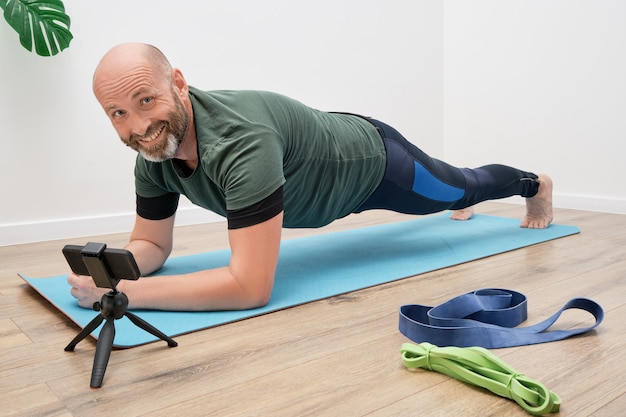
x: 42, y: 22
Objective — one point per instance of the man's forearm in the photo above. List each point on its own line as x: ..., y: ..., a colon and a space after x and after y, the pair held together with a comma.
x: 213, y: 289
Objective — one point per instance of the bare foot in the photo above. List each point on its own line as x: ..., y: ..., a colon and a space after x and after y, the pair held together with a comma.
x: 463, y: 214
x: 539, y: 207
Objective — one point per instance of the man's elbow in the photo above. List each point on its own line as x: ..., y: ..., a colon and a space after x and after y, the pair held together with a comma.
x: 257, y: 292
x: 259, y: 297
x: 260, y: 301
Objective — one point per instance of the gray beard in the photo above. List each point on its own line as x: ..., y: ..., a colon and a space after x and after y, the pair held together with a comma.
x: 168, y: 153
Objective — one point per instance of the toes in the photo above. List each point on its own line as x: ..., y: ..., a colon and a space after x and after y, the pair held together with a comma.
x: 535, y: 223
x: 462, y: 214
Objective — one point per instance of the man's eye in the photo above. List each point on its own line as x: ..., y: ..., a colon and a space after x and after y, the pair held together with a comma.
x: 146, y: 100
x: 118, y: 113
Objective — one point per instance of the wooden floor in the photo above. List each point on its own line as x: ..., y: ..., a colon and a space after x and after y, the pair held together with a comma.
x: 335, y: 357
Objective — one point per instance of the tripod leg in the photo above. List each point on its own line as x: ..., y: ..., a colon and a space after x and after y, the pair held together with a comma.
x: 103, y: 352
x: 93, y: 325
x: 150, y: 329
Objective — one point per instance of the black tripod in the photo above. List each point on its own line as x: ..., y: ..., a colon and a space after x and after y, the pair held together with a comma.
x: 113, y: 304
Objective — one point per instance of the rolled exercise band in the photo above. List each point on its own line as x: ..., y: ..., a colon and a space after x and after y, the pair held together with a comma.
x: 477, y: 366
x: 487, y: 318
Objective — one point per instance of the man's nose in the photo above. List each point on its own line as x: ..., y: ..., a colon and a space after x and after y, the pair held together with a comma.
x: 139, y: 125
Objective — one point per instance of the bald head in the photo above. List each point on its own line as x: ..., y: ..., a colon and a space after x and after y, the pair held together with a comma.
x: 129, y: 57
x: 127, y: 67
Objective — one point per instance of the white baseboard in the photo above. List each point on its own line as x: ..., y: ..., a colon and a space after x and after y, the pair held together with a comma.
x: 581, y: 202
x: 89, y: 226
x: 119, y: 223
x: 599, y: 204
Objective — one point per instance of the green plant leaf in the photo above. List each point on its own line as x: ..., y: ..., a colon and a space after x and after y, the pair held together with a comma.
x: 42, y: 22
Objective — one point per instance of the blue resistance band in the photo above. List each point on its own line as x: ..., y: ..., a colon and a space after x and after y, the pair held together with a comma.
x: 487, y: 318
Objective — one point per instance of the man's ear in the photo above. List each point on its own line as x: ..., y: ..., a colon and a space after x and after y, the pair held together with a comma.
x: 179, y: 83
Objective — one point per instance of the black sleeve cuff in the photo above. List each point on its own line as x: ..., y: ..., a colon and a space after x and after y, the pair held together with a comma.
x: 157, y: 208
x: 256, y: 213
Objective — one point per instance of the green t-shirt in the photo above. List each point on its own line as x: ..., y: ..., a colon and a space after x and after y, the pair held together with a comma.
x: 252, y: 142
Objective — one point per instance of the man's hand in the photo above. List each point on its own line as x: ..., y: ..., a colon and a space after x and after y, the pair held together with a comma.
x: 150, y: 243
x: 85, y: 290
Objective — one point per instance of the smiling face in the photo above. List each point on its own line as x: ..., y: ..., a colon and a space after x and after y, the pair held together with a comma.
x: 162, y: 138
x: 143, y: 98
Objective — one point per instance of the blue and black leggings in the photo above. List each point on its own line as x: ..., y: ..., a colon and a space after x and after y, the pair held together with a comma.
x: 415, y: 183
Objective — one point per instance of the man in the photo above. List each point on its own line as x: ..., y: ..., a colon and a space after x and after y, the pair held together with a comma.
x: 265, y: 162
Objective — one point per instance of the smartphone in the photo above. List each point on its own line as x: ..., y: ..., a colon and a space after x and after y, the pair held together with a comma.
x: 106, y: 266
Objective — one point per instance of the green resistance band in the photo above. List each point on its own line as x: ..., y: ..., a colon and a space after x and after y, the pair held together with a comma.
x: 478, y: 366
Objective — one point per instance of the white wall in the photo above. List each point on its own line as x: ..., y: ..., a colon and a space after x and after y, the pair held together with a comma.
x: 65, y: 173
x: 536, y: 84
x: 540, y: 85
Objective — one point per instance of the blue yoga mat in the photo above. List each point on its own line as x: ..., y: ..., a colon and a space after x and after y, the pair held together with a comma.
x: 316, y: 267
